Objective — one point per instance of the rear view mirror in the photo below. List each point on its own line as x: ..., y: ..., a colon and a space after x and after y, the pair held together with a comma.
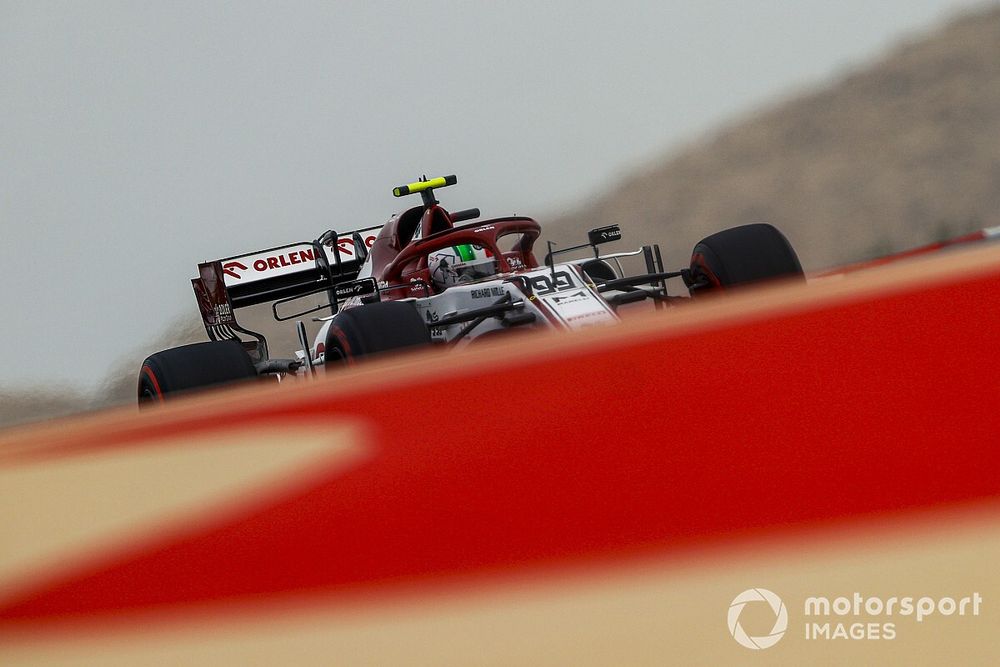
x: 604, y: 234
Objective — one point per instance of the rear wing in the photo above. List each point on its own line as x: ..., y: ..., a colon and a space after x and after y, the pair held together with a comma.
x: 278, y: 275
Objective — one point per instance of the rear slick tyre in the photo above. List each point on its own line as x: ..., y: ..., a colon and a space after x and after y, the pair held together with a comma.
x: 374, y: 329
x: 195, y: 366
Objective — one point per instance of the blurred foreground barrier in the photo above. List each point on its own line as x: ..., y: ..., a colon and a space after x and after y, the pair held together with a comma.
x: 613, y: 497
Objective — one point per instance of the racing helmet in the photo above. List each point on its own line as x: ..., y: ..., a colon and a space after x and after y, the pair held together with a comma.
x: 460, y: 264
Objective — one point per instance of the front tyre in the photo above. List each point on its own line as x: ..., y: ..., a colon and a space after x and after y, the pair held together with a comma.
x: 373, y: 329
x: 741, y: 256
x: 193, y: 367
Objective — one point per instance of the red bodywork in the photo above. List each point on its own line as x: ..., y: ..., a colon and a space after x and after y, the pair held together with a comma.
x: 397, y: 260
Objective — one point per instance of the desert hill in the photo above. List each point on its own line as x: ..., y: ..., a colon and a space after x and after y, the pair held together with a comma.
x: 34, y: 403
x: 901, y: 152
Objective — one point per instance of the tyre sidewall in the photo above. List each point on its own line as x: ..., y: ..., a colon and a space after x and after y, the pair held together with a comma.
x: 193, y: 367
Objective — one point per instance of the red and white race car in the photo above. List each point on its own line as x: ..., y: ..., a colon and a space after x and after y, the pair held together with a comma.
x: 424, y: 279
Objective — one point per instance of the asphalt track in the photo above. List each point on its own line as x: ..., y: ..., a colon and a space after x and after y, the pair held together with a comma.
x: 592, y: 498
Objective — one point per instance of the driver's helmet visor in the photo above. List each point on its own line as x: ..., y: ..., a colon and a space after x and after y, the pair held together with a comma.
x: 460, y: 264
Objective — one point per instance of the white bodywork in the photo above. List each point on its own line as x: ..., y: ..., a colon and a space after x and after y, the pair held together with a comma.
x: 559, y: 298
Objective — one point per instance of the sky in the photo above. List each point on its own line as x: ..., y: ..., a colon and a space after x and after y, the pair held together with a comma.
x: 138, y: 139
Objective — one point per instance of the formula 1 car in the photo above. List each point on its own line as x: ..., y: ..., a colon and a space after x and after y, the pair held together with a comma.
x: 423, y: 280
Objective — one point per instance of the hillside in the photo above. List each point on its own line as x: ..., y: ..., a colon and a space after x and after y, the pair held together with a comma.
x: 18, y: 406
x: 26, y: 405
x: 895, y: 154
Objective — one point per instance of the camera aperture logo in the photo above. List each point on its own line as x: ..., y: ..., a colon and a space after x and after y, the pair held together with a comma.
x: 780, y: 618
